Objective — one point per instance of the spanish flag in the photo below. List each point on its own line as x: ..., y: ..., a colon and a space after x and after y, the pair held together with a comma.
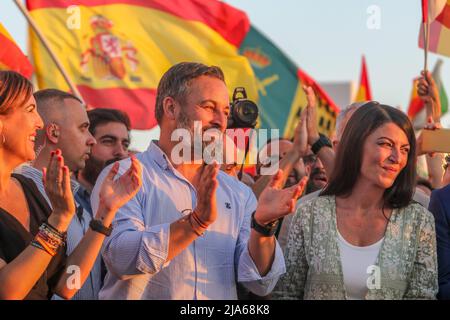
x: 364, y: 92
x: 439, y: 27
x: 11, y: 57
x: 116, y: 51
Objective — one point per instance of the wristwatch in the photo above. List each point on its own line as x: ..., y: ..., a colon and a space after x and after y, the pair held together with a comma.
x: 267, y: 230
x: 98, y: 226
x: 322, y: 142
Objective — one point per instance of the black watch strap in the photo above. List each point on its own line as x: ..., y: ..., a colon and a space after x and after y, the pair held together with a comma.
x: 319, y: 144
x: 268, y: 230
x: 98, y: 226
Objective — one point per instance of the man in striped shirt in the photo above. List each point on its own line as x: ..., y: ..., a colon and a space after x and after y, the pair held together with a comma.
x: 66, y: 127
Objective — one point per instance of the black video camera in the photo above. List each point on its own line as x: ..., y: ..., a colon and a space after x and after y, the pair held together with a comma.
x: 243, y: 112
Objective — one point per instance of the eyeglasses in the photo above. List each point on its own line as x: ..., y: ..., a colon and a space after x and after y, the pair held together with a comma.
x: 309, y: 159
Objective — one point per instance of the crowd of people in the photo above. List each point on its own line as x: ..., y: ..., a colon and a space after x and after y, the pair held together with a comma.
x: 344, y: 217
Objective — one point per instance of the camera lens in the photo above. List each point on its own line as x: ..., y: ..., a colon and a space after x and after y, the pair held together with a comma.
x: 245, y: 114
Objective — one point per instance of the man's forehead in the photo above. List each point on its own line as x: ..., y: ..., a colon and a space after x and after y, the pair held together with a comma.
x: 74, y: 112
x: 208, y: 88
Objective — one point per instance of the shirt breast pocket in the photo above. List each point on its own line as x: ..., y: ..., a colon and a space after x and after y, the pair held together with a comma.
x: 216, y: 258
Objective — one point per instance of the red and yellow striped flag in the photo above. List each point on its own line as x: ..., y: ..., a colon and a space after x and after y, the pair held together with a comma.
x: 122, y: 47
x: 415, y: 102
x: 11, y: 57
x: 439, y: 27
x: 364, y: 92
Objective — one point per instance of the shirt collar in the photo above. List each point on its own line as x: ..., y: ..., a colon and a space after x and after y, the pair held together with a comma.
x: 155, y: 153
x: 74, y: 185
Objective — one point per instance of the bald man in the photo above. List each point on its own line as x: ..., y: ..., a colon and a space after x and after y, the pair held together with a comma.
x: 66, y: 125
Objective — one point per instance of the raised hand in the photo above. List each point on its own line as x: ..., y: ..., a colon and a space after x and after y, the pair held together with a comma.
x: 311, y: 118
x: 114, y: 194
x: 206, y: 185
x: 301, y: 168
x: 301, y: 135
x: 275, y: 202
x: 429, y: 93
x: 56, y: 179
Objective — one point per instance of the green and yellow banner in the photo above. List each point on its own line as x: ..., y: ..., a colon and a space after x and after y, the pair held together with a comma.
x: 279, y: 82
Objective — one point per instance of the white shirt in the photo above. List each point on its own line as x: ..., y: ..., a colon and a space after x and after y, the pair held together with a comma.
x: 357, y: 267
x: 137, y: 249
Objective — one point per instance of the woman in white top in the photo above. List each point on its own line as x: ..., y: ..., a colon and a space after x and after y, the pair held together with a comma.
x: 364, y: 237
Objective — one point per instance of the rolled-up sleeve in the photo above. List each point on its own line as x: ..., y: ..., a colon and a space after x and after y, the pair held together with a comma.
x: 132, y: 248
x: 248, y: 273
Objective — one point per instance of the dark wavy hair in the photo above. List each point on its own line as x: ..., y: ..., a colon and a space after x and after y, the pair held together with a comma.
x: 101, y: 116
x: 349, y: 155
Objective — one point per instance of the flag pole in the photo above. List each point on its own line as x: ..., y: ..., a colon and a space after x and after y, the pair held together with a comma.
x: 425, y: 32
x: 45, y: 43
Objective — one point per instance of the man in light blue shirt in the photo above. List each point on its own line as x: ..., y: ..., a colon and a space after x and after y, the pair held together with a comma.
x: 187, y: 234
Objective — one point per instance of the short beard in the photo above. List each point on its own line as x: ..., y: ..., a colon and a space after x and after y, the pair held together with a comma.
x: 184, y: 122
x: 93, y: 168
x: 310, y: 186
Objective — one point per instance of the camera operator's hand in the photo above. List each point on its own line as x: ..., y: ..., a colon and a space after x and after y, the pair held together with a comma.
x: 275, y: 202
x: 311, y: 110
x: 206, y: 186
x: 429, y: 93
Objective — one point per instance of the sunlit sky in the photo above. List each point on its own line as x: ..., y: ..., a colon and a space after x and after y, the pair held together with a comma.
x: 326, y: 39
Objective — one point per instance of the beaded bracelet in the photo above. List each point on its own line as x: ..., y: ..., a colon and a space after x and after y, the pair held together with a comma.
x: 48, y: 239
x: 53, y: 231
x: 43, y: 245
x: 36, y: 244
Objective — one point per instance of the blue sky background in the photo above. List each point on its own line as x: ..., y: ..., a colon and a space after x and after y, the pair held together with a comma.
x: 327, y: 38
